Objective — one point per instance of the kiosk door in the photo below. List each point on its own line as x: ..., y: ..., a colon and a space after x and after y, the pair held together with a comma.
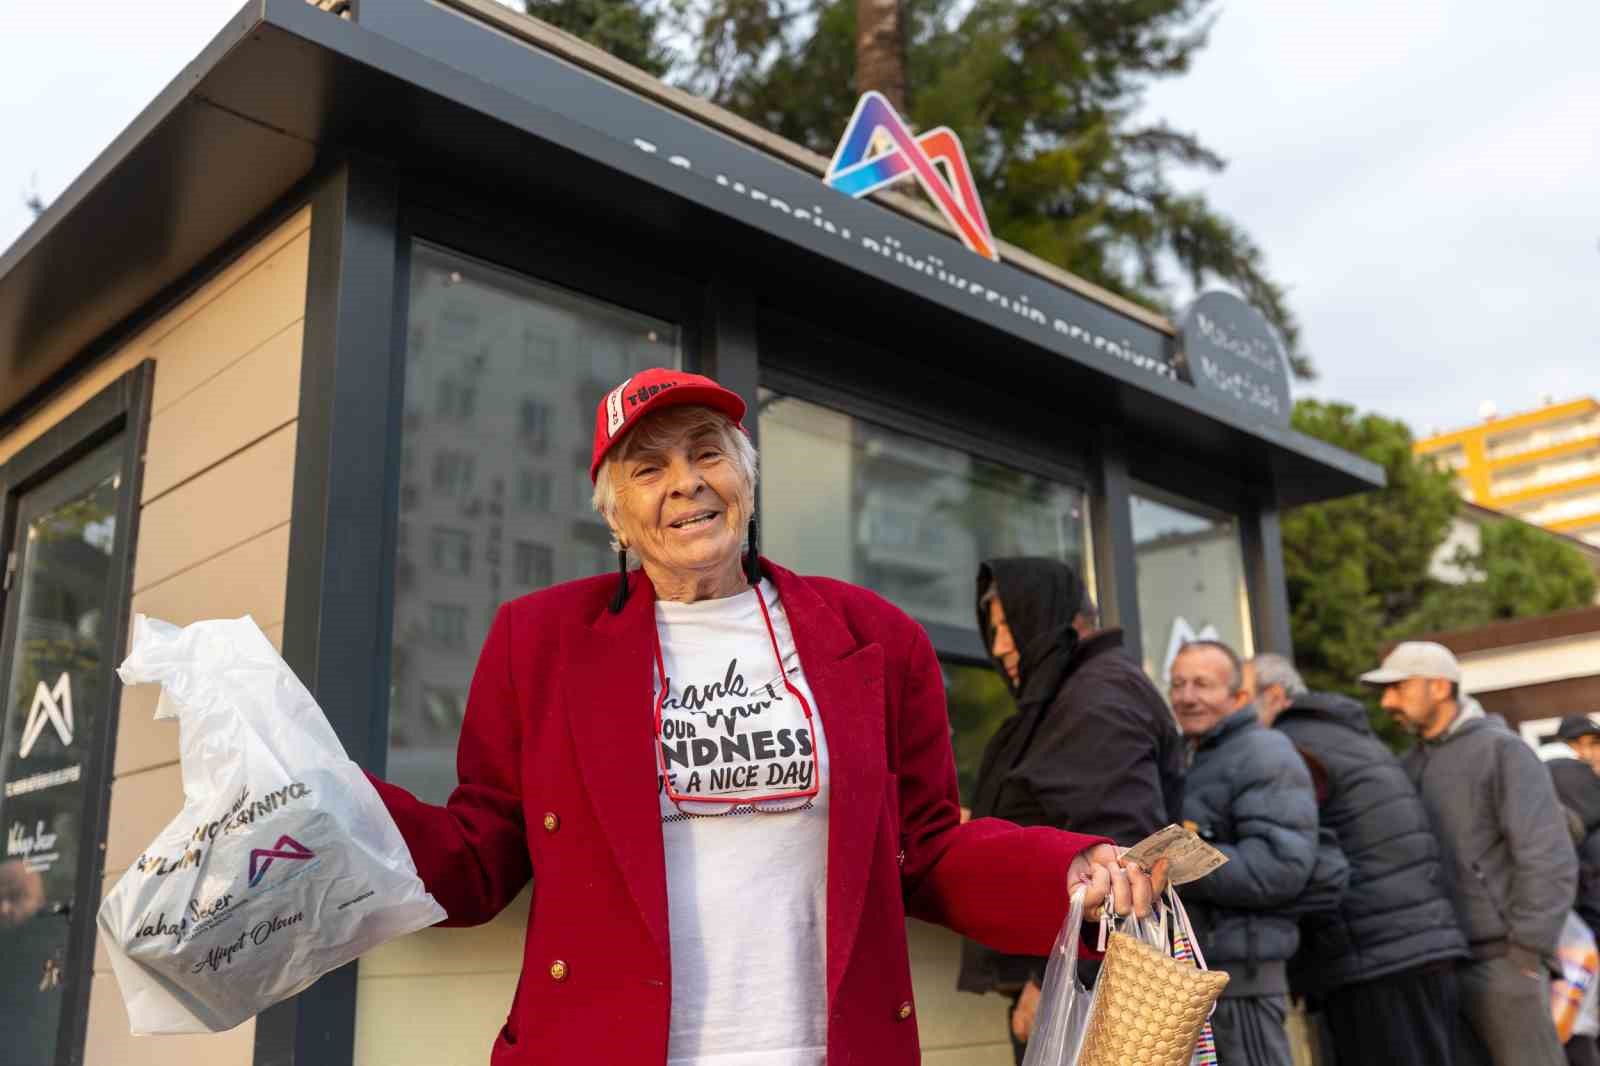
x: 55, y: 658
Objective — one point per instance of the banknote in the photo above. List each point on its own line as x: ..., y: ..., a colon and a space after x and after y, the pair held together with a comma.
x: 1188, y: 857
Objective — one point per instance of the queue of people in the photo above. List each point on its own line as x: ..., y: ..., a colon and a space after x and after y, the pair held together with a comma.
x: 1413, y: 902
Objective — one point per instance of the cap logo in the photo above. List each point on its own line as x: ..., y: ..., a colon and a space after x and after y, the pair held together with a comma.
x: 647, y: 391
x: 614, y: 415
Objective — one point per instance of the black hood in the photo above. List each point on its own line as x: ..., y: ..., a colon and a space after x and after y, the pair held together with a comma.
x: 1040, y: 597
x: 1343, y: 710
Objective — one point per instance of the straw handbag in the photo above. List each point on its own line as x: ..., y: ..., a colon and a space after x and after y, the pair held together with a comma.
x: 1149, y: 1007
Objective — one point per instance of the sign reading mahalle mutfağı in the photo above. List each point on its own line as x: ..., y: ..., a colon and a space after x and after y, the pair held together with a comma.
x: 1233, y: 354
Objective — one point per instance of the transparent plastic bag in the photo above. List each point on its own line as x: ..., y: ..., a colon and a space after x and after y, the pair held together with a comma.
x: 1064, y: 1003
x: 1572, y: 994
x: 283, y: 864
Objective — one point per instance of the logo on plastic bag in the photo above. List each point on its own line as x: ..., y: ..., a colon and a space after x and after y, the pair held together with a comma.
x: 53, y: 705
x: 287, y: 847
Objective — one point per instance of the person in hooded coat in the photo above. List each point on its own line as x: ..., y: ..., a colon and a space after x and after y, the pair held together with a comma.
x: 1092, y: 746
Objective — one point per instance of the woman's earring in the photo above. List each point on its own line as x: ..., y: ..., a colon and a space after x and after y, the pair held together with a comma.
x: 621, y: 597
x: 752, y: 560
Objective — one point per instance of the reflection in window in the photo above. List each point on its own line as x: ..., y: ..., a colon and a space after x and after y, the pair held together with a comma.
x: 494, y: 365
x: 979, y: 701
x: 1191, y: 579
x: 453, y: 473
x: 532, y: 565
x: 905, y: 517
x: 452, y: 552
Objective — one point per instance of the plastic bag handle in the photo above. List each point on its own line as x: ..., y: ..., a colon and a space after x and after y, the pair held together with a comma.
x: 1074, y: 923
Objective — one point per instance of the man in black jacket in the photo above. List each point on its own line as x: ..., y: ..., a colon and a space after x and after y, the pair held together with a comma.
x: 1092, y: 747
x: 1382, y: 966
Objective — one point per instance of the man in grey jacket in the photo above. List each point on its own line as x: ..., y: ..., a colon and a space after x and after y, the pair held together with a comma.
x: 1504, y: 842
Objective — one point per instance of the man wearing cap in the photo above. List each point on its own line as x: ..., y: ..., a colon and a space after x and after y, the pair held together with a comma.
x: 1382, y: 966
x: 1504, y: 842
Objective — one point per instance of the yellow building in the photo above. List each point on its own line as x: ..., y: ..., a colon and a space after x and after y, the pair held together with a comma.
x: 1542, y: 466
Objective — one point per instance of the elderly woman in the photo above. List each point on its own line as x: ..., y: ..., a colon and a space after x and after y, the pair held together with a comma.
x: 729, y: 784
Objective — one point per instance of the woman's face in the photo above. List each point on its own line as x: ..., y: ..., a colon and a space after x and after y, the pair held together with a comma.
x: 683, y: 509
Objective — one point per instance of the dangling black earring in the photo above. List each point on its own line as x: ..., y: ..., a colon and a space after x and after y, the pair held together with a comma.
x: 752, y: 561
x: 622, y: 582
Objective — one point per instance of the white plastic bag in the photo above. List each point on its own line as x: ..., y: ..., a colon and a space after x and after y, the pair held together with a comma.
x: 1064, y: 1003
x: 284, y: 863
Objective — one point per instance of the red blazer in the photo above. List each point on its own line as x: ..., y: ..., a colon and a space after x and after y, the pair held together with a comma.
x: 558, y: 781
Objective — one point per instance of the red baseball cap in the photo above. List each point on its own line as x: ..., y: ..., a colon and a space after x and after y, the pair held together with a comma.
x: 654, y: 390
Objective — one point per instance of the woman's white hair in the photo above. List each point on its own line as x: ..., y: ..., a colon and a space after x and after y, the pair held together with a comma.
x: 662, y: 430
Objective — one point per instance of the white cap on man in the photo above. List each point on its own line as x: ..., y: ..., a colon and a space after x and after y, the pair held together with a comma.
x: 1415, y: 658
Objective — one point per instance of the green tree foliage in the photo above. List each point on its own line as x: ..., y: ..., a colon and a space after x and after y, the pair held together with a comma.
x: 1044, y: 94
x: 1516, y: 571
x: 1358, y: 568
x: 627, y: 29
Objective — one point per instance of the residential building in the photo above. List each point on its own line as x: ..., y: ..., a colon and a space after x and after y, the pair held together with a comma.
x: 1542, y: 466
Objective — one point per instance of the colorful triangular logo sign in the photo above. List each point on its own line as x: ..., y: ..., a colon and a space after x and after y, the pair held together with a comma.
x: 879, y: 149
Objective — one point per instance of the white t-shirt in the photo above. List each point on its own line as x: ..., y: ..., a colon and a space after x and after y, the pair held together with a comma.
x: 746, y: 892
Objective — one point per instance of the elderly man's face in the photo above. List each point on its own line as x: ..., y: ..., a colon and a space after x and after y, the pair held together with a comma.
x: 1270, y: 700
x: 1202, y: 690
x: 683, y: 508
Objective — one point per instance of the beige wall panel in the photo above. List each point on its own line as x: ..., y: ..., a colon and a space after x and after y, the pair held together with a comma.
x: 110, y: 1044
x: 259, y: 306
x: 230, y: 275
x: 248, y: 579
x: 495, y: 947
x: 946, y: 1017
x: 129, y: 355
x: 975, y: 1055
x: 247, y: 401
x: 430, y: 1021
x: 217, y: 511
x: 144, y: 743
x: 141, y: 806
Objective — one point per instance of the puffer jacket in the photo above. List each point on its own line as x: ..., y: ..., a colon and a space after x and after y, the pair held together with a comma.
x: 1502, y: 835
x: 1395, y: 914
x: 1249, y: 794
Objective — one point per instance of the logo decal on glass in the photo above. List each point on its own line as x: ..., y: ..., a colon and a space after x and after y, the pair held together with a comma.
x: 879, y: 149
x: 52, y: 705
x: 287, y: 847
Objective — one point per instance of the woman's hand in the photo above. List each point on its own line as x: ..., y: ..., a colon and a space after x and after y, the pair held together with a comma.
x: 1128, y: 886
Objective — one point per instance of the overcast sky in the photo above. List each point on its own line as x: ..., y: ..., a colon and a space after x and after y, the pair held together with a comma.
x: 1423, y: 175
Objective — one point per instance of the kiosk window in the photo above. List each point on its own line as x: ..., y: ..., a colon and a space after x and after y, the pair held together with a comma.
x: 502, y: 377
x: 903, y: 516
x: 1191, y: 579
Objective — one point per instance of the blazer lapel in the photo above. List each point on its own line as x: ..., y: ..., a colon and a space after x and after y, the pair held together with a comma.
x: 607, y: 668
x: 847, y: 681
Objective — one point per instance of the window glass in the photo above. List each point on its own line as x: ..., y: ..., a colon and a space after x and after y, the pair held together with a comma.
x: 979, y: 701
x: 1191, y: 579
x: 503, y: 375
x: 908, y: 518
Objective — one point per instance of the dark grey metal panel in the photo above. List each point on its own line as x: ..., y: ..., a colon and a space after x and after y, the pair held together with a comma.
x: 1265, y: 581
x: 335, y: 610
x: 1115, y: 561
